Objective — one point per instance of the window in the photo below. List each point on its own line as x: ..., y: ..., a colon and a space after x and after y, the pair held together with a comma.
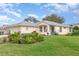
x: 26, y: 28
x: 40, y: 29
x: 52, y: 28
x: 60, y: 29
x: 45, y: 29
x: 70, y: 29
x: 64, y: 27
x: 1, y: 33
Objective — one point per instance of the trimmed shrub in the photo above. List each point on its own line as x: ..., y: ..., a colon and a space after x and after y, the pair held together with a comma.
x: 4, y: 39
x: 15, y: 37
x: 25, y: 38
x: 54, y: 33
x: 37, y: 37
x: 75, y: 33
x: 32, y: 37
x: 69, y: 34
x: 40, y: 38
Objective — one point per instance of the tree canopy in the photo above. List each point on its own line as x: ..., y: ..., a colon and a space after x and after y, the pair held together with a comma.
x: 54, y: 18
x: 31, y: 19
x: 76, y: 28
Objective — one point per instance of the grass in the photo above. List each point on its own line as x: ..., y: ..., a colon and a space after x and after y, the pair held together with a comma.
x: 52, y: 46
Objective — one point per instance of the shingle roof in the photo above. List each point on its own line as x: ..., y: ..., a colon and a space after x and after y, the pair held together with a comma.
x: 55, y: 24
x: 24, y: 23
x: 75, y: 24
x: 3, y: 27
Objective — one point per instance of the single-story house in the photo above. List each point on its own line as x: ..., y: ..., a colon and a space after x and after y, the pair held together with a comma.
x: 42, y: 27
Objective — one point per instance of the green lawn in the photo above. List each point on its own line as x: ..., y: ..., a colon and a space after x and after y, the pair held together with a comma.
x: 52, y: 46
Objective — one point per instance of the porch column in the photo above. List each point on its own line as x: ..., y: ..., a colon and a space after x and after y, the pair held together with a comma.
x: 49, y: 30
x: 42, y: 28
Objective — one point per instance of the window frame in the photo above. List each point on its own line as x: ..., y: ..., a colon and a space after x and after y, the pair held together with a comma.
x: 45, y: 28
x: 26, y: 28
x: 70, y: 29
x: 60, y: 30
x: 40, y: 28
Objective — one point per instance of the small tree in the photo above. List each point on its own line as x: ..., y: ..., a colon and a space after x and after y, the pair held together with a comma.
x: 31, y: 19
x: 15, y: 37
x: 76, y: 28
x: 26, y: 38
x: 54, y: 18
x: 33, y: 37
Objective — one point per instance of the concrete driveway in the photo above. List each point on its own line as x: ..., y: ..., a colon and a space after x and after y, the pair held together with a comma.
x: 3, y: 36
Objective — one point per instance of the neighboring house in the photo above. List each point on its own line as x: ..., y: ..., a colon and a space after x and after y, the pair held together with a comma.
x: 4, y: 30
x: 77, y: 24
x: 43, y: 27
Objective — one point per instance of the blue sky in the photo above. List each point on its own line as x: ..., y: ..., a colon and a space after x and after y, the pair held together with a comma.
x: 14, y: 13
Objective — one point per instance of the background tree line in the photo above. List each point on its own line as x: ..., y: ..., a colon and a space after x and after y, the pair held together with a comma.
x: 52, y: 17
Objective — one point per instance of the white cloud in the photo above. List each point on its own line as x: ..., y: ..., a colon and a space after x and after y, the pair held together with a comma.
x: 37, y: 4
x: 43, y: 16
x: 5, y: 5
x: 19, y: 10
x: 61, y: 7
x: 76, y: 11
x: 33, y: 15
x: 4, y: 18
x: 72, y: 5
x: 65, y: 7
x: 14, y: 13
x: 9, y: 10
x: 5, y: 23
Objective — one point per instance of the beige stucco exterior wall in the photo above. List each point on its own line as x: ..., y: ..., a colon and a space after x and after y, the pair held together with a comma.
x: 64, y: 30
x: 14, y: 29
x: 23, y: 29
x: 28, y: 29
x: 56, y: 29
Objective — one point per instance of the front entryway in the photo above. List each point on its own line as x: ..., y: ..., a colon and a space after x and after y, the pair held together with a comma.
x: 43, y: 28
x: 52, y: 29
